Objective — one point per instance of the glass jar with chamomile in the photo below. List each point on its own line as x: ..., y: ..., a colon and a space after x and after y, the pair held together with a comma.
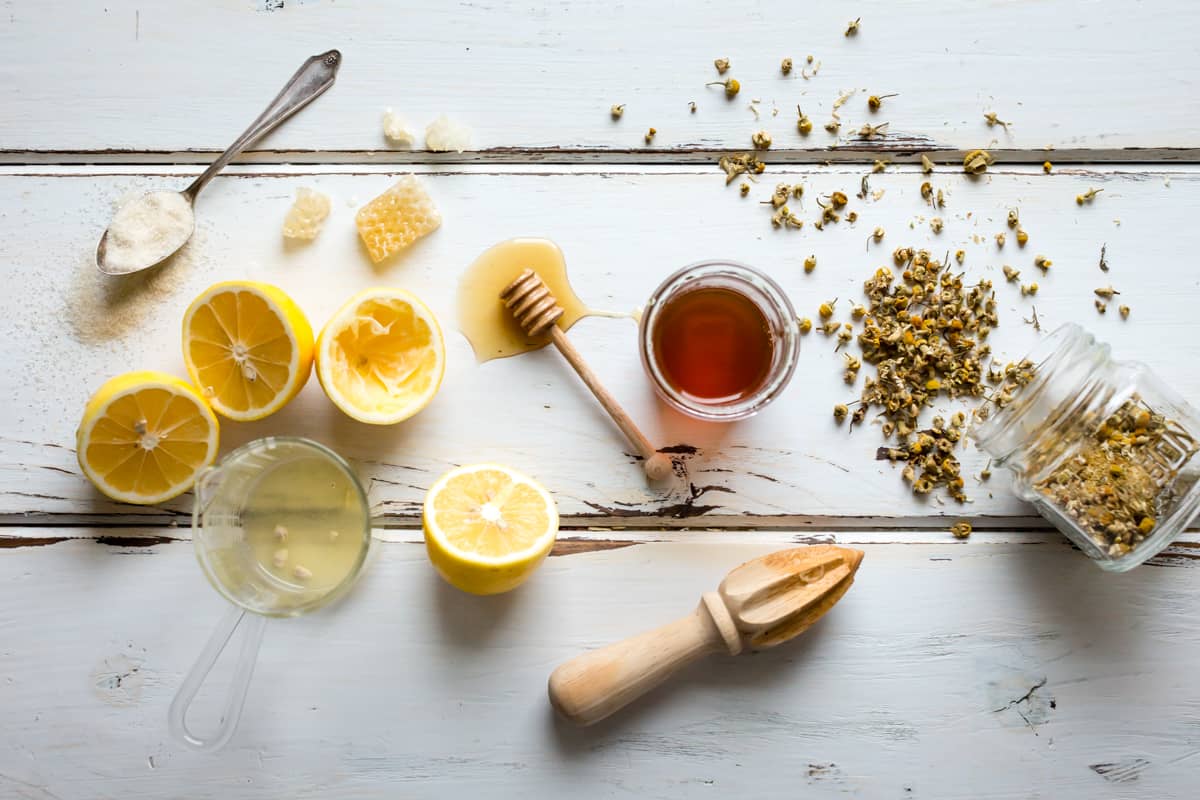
x: 1102, y: 448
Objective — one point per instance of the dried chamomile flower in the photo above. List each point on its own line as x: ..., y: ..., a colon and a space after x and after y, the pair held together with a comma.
x: 785, y: 66
x: 1029, y: 289
x: 1042, y: 262
x: 940, y: 200
x: 833, y: 126
x: 927, y: 192
x: 1124, y: 311
x: 744, y: 163
x: 1014, y: 218
x: 936, y: 224
x: 650, y: 134
x: 732, y: 86
x: 1087, y: 196
x: 879, y: 166
x: 926, y: 164
x: 1106, y: 292
x: 692, y: 106
x: 1000, y: 239
x: 1046, y: 167
x: 722, y: 64
x: 844, y: 336
x: 852, y: 27
x: 745, y: 189
x: 852, y: 217
x: 805, y: 324
x: 1022, y: 237
x: 830, y: 328
x: 784, y: 218
x: 858, y: 311
x: 1011, y: 275
x: 876, y: 235
x: 902, y: 255
x: 810, y: 263
x: 1101, y: 306
x: 853, y: 365
x: 840, y: 411
x: 977, y: 161
x: 617, y: 111
x: 803, y: 123
x: 992, y: 119
x: 961, y: 529
x: 960, y: 256
x: 871, y: 131
x: 876, y: 100
x: 838, y: 199
x: 780, y: 196
x: 826, y: 308
x: 761, y: 140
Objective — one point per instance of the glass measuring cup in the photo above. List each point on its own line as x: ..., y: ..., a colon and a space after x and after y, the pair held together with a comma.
x: 281, y: 528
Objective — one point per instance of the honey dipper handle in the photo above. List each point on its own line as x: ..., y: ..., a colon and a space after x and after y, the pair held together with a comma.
x: 592, y: 686
x: 656, y: 465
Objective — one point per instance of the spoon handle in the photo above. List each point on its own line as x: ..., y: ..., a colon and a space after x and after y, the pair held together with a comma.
x: 314, y: 77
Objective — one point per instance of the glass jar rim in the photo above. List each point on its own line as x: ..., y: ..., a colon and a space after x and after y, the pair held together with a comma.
x: 768, y: 296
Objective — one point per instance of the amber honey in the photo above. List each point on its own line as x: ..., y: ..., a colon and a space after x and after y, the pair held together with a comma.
x: 713, y: 345
x: 719, y: 340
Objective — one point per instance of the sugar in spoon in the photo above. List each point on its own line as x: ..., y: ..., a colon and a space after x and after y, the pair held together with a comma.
x: 149, y: 229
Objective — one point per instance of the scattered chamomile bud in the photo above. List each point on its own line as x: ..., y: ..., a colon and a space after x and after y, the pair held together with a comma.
x: 876, y: 100
x: 1087, y: 196
x: 1014, y: 218
x: 745, y: 189
x: 1000, y: 239
x: 808, y: 59
x: 810, y: 263
x: 879, y: 166
x: 840, y: 411
x: 940, y: 201
x: 1046, y: 167
x: 1101, y: 306
x: 833, y: 126
x: 830, y: 328
x: 1022, y: 237
x: 877, y: 234
x: 1106, y: 292
x: 1011, y: 275
x: 1124, y: 310
x: 785, y: 66
x: 650, y: 134
x: 927, y: 190
x: 858, y: 311
x: 692, y: 106
x: 732, y: 86
x: 960, y: 255
x: 992, y: 119
x: 761, y: 140
x: 797, y: 190
x: 936, y: 224
x: 803, y: 123
x: 926, y: 164
x: 838, y: 199
x: 977, y: 161
x: 871, y: 131
x: 1042, y: 262
x: 852, y: 217
x: 1029, y: 289
x: 805, y: 325
x: 617, y: 111
x: 852, y: 27
x: 722, y: 64
x: 826, y: 308
x: 961, y: 529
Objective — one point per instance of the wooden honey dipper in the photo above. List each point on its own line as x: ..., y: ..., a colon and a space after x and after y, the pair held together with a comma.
x: 760, y: 604
x: 535, y: 309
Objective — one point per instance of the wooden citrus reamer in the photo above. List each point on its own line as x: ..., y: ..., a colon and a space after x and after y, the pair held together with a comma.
x: 760, y: 604
x: 535, y: 309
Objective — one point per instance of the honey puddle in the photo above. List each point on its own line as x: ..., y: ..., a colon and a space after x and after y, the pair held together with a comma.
x: 482, y: 317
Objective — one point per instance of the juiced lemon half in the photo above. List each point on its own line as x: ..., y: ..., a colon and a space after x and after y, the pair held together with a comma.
x: 381, y: 358
x: 248, y: 348
x: 488, y: 527
x: 145, y: 436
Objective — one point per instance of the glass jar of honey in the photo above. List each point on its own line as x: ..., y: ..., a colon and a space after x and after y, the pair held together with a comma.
x: 1102, y: 448
x: 719, y: 340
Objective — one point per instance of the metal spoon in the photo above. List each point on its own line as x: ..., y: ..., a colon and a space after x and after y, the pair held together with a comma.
x: 314, y: 77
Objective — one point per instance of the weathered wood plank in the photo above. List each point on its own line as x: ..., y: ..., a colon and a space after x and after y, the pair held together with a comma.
x: 949, y: 670
x: 790, y: 466
x: 123, y: 77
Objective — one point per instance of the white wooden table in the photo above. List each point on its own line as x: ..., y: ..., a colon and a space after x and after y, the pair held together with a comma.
x: 1006, y: 666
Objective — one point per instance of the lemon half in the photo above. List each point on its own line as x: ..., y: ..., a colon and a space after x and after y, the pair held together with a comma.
x: 248, y: 347
x: 488, y: 527
x: 381, y: 358
x: 145, y: 436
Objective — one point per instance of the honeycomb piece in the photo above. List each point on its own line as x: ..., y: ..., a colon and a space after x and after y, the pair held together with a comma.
x: 397, y: 218
x: 307, y: 214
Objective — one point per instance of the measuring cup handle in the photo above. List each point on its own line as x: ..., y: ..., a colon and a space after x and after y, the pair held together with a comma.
x: 252, y: 626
